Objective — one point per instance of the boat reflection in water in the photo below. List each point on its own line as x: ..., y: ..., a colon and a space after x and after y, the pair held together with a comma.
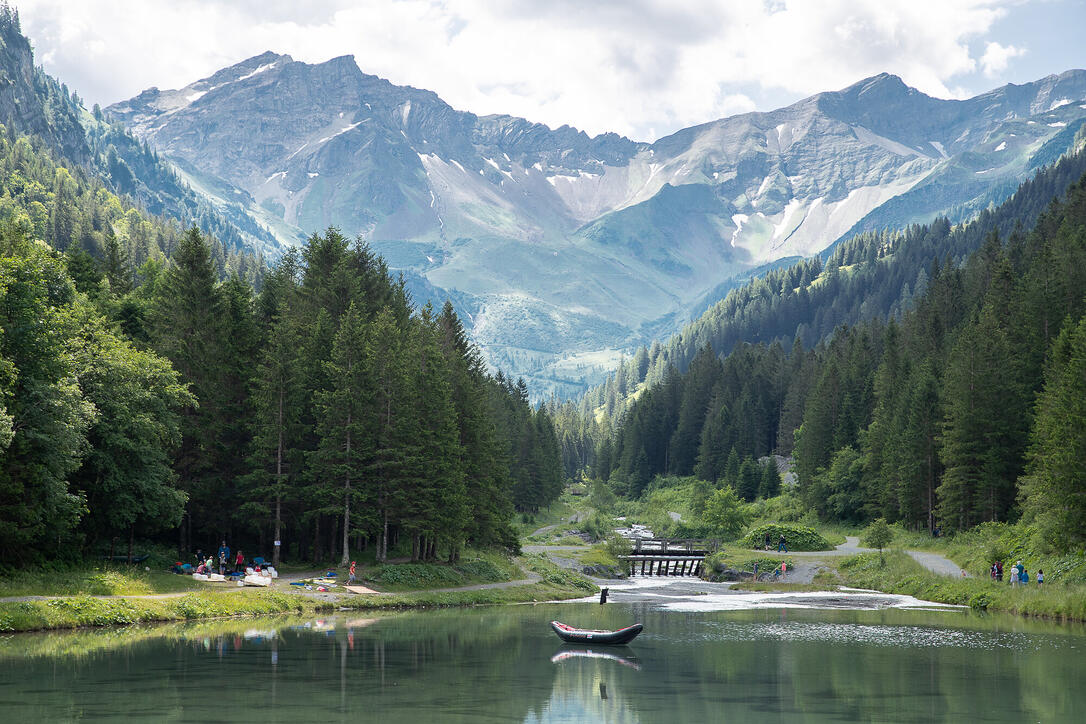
x: 567, y: 654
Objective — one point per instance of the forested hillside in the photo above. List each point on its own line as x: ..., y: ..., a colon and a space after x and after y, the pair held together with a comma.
x: 46, y: 197
x: 871, y: 275
x: 101, y: 153
x: 325, y: 411
x: 964, y: 407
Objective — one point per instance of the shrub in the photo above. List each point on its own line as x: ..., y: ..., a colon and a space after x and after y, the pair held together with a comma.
x: 598, y: 527
x: 616, y: 546
x: 980, y: 601
x: 797, y: 537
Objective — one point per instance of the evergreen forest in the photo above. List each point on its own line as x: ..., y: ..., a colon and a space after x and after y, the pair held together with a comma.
x: 932, y: 377
x: 174, y: 401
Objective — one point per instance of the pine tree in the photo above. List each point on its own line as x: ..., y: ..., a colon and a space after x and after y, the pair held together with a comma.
x: 278, y: 400
x: 395, y: 464
x: 731, y: 469
x: 749, y: 478
x: 117, y: 266
x: 770, y: 484
x: 485, y: 471
x: 345, y: 414
x: 186, y: 313
x: 1054, y: 491
x: 436, y: 508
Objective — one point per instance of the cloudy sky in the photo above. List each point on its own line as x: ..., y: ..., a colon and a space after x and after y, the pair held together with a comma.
x: 643, y: 68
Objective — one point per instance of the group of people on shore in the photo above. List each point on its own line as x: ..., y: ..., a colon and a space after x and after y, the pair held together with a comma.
x: 1019, y: 576
x: 221, y: 562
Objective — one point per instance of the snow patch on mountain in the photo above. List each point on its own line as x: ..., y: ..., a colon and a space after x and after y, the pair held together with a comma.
x: 341, y: 131
x: 261, y: 69
x: 873, y: 139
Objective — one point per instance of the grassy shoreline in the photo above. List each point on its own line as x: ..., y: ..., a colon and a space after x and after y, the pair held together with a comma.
x: 77, y: 599
x: 902, y: 575
x: 89, y: 611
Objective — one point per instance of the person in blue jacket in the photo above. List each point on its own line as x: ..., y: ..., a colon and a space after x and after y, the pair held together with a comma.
x: 224, y: 557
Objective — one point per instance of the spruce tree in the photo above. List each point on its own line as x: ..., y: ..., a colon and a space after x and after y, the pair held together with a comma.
x: 770, y: 484
x: 186, y: 313
x: 277, y: 435
x: 1054, y: 490
x: 346, y: 412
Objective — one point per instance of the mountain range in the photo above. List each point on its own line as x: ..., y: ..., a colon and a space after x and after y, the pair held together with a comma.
x: 564, y: 251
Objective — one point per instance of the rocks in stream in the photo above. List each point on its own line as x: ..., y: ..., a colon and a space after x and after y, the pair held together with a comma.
x: 603, y: 571
x: 722, y: 573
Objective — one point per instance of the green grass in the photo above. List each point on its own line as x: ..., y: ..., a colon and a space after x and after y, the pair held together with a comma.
x: 901, y: 574
x: 597, y: 555
x: 84, y: 611
x: 554, y: 576
x: 89, y: 611
x: 105, y: 580
x: 416, y: 576
x: 557, y: 513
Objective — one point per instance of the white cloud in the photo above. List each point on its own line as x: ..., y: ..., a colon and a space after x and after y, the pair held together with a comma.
x: 996, y: 58
x: 637, y: 67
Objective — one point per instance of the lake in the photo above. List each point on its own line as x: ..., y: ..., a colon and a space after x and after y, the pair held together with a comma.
x: 702, y: 658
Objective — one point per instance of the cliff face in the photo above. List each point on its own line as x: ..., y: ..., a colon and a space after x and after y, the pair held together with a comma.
x: 31, y: 102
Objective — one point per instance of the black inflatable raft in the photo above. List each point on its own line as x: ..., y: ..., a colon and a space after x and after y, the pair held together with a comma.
x: 587, y: 636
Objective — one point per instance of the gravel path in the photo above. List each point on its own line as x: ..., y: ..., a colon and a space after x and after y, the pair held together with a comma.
x: 937, y: 563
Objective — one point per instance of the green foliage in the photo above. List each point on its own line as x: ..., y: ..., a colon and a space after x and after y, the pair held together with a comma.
x: 413, y: 576
x: 877, y: 535
x: 797, y: 537
x: 786, y: 508
x: 555, y: 576
x: 1053, y: 494
x: 724, y: 513
x: 617, y: 545
x: 901, y: 574
x: 602, y: 498
x: 926, y: 419
x: 599, y: 527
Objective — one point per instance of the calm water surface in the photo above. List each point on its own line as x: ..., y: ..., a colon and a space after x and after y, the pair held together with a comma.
x: 505, y: 665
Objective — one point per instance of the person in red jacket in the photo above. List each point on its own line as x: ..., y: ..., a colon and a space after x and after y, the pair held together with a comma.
x: 239, y: 562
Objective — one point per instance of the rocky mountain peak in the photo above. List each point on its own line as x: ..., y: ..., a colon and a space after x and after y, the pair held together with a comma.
x: 536, y: 232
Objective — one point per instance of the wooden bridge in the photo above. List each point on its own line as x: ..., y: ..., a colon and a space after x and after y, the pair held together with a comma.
x: 666, y: 557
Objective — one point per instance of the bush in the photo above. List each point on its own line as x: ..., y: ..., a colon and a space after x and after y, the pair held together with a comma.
x: 797, y: 537
x: 616, y: 546
x: 980, y: 601
x: 598, y: 527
